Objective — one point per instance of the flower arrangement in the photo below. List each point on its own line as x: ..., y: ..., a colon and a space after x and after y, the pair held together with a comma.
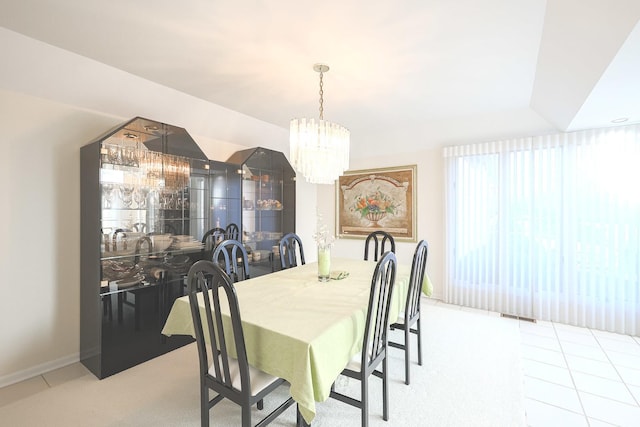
x: 378, y: 202
x: 322, y: 236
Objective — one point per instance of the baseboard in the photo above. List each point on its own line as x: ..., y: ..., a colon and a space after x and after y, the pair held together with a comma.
x: 34, y: 371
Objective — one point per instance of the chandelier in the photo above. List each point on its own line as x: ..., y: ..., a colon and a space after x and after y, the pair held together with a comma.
x: 319, y: 149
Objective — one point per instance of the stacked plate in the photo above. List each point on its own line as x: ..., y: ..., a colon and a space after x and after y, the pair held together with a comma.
x: 179, y: 263
x: 125, y: 272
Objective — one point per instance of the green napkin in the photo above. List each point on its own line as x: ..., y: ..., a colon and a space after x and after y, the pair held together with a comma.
x: 339, y: 275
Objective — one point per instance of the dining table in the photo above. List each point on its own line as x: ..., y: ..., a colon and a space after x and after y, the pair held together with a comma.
x: 300, y: 329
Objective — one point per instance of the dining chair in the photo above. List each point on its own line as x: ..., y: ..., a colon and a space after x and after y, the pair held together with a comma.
x: 145, y: 240
x: 169, y: 228
x: 374, y: 344
x: 232, y: 232
x: 379, y: 239
x: 139, y: 227
x: 411, y: 314
x: 210, y: 239
x: 233, y: 256
x: 287, y: 248
x: 231, y: 378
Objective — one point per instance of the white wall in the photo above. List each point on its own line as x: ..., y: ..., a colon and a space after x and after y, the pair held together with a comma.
x: 53, y: 102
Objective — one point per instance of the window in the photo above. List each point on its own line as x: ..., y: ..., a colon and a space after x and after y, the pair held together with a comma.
x: 547, y: 227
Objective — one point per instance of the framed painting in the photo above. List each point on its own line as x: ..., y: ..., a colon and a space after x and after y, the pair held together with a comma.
x: 377, y: 199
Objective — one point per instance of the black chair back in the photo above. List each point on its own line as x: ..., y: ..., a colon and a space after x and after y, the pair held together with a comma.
x: 212, y: 283
x: 169, y: 228
x: 209, y: 241
x: 232, y: 232
x: 139, y: 227
x: 287, y: 247
x: 374, y: 345
x: 418, y: 267
x: 233, y: 256
x: 141, y: 241
x: 379, y: 239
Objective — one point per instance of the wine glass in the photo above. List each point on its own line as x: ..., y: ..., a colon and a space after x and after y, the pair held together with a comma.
x: 130, y: 156
x: 114, y: 155
x: 140, y: 197
x: 107, y: 193
x: 126, y: 194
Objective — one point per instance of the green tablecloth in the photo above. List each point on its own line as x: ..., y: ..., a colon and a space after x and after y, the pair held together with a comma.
x: 300, y: 329
x: 427, y: 286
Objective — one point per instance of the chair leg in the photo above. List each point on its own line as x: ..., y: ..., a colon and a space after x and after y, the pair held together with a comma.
x: 204, y: 405
x: 108, y: 307
x: 137, y: 308
x: 385, y: 389
x: 407, y: 353
x: 246, y: 415
x: 364, y: 390
x: 120, y: 307
x: 419, y: 342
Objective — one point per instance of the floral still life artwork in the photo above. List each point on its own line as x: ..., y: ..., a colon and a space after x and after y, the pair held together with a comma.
x: 377, y: 199
x: 375, y: 206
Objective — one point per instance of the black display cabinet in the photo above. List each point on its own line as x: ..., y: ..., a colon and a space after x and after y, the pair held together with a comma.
x: 268, y: 196
x: 144, y: 192
x: 148, y: 196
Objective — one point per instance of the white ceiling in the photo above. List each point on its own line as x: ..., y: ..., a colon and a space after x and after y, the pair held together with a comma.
x: 421, y: 72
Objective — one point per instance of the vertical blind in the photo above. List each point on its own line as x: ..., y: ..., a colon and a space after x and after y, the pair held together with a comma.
x: 547, y: 227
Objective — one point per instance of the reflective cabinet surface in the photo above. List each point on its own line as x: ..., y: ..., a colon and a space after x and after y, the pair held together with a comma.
x: 149, y: 200
x: 152, y: 215
x: 145, y: 207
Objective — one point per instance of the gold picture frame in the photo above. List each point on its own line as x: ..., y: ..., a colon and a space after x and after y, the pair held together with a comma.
x: 377, y: 199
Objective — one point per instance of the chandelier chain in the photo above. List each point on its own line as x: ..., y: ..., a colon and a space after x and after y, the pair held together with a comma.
x: 321, y: 98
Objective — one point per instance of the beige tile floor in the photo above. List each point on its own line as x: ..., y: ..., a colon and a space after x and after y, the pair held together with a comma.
x: 579, y: 377
x: 42, y: 382
x: 572, y: 376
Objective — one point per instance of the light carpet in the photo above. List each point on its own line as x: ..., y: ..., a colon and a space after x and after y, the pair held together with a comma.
x: 471, y: 377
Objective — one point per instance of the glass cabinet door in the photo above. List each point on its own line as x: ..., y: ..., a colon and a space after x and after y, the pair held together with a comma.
x: 262, y: 206
x: 225, y: 195
x: 268, y: 205
x: 199, y: 185
x: 148, y: 194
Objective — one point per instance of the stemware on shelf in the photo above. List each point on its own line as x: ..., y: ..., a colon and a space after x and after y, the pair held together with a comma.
x: 107, y: 193
x: 140, y: 197
x: 126, y: 194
